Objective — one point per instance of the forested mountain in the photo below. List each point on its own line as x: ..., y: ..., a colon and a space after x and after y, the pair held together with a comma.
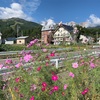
x: 14, y: 27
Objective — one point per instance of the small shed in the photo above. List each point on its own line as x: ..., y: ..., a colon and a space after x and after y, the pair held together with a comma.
x: 10, y: 40
x: 23, y: 40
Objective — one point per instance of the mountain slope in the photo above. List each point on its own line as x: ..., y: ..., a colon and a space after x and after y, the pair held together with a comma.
x: 10, y: 27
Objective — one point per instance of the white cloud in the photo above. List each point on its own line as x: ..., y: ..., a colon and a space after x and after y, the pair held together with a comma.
x: 92, y: 21
x: 29, y: 5
x: 48, y: 22
x: 72, y: 23
x: 16, y: 6
x: 15, y: 10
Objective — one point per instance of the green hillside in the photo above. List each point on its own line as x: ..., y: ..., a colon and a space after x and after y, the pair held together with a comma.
x: 14, y: 27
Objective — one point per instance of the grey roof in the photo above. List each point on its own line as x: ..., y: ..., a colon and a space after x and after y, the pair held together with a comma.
x: 22, y: 37
x: 10, y: 39
x: 69, y: 28
x: 98, y: 38
x: 48, y: 27
x: 66, y: 27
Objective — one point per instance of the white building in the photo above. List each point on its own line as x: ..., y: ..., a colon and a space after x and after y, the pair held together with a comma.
x: 98, y: 40
x: 62, y: 34
x: 84, y: 39
x: 10, y: 40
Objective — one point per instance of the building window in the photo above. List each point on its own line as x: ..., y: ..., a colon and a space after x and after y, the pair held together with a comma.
x: 19, y: 41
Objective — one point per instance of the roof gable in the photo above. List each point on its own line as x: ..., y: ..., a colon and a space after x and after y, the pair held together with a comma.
x: 22, y: 37
x: 69, y: 28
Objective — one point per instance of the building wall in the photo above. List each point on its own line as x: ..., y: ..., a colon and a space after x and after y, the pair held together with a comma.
x: 44, y: 36
x: 62, y: 35
x: 21, y: 41
x: 98, y: 42
x: 9, y: 42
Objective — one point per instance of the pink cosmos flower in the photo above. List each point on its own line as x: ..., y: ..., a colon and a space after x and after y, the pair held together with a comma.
x: 75, y: 65
x: 16, y: 89
x: 54, y: 77
x: 18, y: 65
x: 33, y: 87
x: 44, y: 50
x: 71, y: 75
x: 55, y: 88
x: 92, y: 65
x: 27, y: 57
x: 47, y: 63
x: 1, y: 66
x: 44, y: 84
x: 32, y: 43
x: 7, y: 66
x: 65, y: 86
x: 85, y: 91
x: 47, y: 44
x: 8, y: 61
x: 51, y: 92
x: 32, y: 98
x: 21, y: 59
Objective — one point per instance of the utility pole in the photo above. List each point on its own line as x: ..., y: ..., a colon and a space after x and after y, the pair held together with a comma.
x: 96, y: 36
x: 17, y: 30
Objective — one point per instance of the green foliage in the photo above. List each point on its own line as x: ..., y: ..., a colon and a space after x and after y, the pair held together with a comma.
x: 2, y: 95
x: 7, y: 47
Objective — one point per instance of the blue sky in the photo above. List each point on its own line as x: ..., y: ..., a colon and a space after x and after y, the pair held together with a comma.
x: 52, y: 11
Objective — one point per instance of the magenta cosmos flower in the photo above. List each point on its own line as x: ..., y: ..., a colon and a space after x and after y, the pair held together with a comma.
x: 27, y: 57
x: 8, y: 61
x: 44, y: 84
x: 52, y: 54
x: 56, y: 88
x: 32, y: 98
x: 43, y: 88
x: 75, y: 65
x: 39, y: 68
x: 54, y: 77
x: 85, y: 91
x: 17, y: 80
x: 18, y: 65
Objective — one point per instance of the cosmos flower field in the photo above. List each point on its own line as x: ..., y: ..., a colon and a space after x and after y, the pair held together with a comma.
x: 79, y: 79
